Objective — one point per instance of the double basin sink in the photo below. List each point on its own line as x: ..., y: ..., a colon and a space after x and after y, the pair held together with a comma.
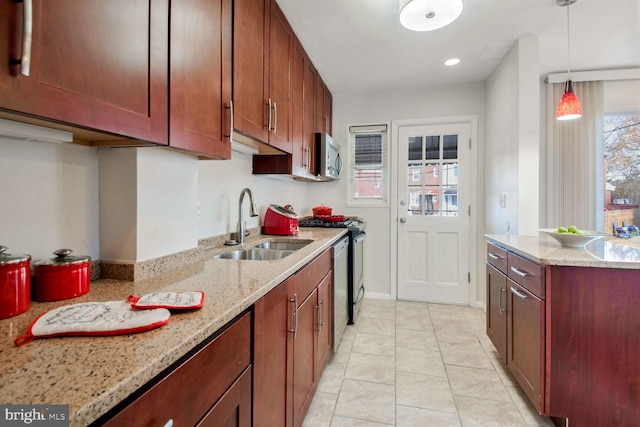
x: 266, y: 251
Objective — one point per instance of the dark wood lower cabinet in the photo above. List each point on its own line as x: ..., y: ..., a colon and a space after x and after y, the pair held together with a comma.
x: 573, y: 336
x: 288, y: 327
x: 497, y: 310
x: 234, y: 407
x: 214, y: 378
x: 525, y: 326
x: 273, y: 358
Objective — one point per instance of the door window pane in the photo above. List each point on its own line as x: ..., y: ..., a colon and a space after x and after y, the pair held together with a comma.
x: 432, y: 176
x: 433, y: 147
x: 450, y: 147
x: 415, y: 148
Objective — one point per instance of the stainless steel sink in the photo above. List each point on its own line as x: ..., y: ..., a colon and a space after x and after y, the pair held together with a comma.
x: 285, y: 246
x: 256, y: 254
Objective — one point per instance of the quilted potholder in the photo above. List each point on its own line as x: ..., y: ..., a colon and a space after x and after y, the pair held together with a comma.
x: 93, y: 319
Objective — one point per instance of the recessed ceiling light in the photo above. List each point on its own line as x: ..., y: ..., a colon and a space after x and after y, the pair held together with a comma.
x: 451, y: 62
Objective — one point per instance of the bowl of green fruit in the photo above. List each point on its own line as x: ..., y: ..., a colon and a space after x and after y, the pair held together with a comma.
x: 572, y: 237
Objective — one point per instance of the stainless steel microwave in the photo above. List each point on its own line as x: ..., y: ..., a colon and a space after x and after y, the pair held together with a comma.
x: 328, y: 159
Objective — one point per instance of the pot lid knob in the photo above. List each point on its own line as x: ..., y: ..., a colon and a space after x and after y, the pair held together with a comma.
x: 62, y: 253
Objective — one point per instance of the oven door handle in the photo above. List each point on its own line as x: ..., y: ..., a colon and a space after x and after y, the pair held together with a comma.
x: 360, y: 237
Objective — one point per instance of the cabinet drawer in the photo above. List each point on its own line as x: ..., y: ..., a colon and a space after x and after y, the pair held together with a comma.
x: 186, y: 393
x: 307, y: 279
x: 497, y: 257
x: 527, y: 274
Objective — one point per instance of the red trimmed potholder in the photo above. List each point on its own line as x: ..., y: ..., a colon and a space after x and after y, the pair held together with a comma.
x: 171, y: 300
x: 93, y: 319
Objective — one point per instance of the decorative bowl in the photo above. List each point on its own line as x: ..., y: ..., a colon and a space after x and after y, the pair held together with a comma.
x: 573, y: 240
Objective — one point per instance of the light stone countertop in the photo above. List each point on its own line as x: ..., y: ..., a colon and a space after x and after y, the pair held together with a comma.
x: 93, y: 374
x: 609, y: 252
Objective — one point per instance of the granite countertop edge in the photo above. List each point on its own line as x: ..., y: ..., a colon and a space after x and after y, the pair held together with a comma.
x: 542, y: 249
x: 94, y: 374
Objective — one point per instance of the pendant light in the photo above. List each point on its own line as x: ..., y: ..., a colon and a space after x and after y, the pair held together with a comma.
x: 428, y: 15
x: 569, y: 106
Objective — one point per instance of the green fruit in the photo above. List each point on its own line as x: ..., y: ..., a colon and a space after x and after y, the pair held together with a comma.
x: 562, y: 230
x: 572, y: 229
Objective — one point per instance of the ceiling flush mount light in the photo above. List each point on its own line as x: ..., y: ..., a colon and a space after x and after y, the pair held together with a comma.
x: 569, y: 106
x: 428, y: 15
x: 451, y: 62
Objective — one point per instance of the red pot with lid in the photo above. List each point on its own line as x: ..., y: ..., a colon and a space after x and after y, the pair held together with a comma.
x: 321, y: 210
x: 15, y: 283
x: 63, y: 277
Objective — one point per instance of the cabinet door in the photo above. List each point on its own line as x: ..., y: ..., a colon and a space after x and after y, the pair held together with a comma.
x: 525, y: 330
x: 298, y: 151
x: 234, y: 407
x: 181, y: 395
x: 324, y: 324
x: 250, y: 67
x: 280, y: 57
x: 309, y: 111
x: 304, y: 356
x: 328, y: 110
x: 273, y: 358
x: 201, y: 77
x: 97, y: 64
x: 497, y: 310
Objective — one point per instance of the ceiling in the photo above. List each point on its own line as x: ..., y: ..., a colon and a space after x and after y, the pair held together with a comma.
x: 359, y: 46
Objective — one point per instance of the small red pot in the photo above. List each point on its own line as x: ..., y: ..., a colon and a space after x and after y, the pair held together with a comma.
x: 15, y: 283
x: 321, y: 210
x: 62, y: 277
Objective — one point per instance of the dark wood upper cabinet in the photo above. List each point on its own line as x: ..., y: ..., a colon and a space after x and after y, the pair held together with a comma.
x: 263, y: 51
x: 250, y: 66
x: 324, y: 107
x: 200, y: 77
x: 94, y: 64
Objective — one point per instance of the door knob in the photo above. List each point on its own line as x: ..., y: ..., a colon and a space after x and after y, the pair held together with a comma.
x: 403, y: 220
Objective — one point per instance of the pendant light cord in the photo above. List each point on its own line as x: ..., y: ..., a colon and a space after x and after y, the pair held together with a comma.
x: 568, y: 43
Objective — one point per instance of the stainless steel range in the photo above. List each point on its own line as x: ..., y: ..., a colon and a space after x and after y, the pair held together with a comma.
x: 355, y: 282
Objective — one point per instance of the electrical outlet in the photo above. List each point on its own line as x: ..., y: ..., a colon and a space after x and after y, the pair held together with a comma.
x: 503, y: 200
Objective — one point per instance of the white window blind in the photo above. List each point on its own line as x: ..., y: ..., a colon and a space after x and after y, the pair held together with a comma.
x: 368, y: 164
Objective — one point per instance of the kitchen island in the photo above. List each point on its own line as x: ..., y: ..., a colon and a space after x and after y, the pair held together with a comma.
x: 567, y: 324
x: 94, y: 374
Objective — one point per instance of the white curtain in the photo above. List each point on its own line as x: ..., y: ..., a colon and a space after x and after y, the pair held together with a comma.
x: 575, y: 182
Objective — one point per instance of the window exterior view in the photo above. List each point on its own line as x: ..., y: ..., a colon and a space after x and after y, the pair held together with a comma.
x: 622, y: 173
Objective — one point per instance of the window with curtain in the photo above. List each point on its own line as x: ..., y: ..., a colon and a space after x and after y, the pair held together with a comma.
x: 368, y: 174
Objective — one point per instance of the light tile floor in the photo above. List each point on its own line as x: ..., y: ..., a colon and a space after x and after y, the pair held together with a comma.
x: 418, y: 365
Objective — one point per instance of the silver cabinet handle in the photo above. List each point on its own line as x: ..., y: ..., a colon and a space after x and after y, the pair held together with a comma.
x: 294, y: 300
x: 230, y: 108
x: 321, y: 310
x: 518, y: 293
x: 519, y: 272
x: 275, y: 117
x: 403, y: 220
x: 269, y: 115
x: 502, y: 291
x: 27, y: 37
x: 493, y: 256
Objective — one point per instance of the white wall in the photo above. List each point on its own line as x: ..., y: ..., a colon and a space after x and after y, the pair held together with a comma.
x: 512, y: 151
x: 49, y: 195
x: 219, y: 187
x: 380, y: 108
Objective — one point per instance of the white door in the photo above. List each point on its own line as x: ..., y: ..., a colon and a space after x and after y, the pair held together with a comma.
x: 433, y: 213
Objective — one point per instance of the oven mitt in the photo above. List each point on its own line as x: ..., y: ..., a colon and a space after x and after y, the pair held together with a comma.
x: 170, y: 300
x: 93, y: 319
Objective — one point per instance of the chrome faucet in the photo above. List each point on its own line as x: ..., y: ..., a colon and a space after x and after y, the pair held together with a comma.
x: 241, y: 229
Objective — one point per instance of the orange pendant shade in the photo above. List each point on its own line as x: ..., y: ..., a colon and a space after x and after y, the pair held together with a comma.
x: 569, y: 107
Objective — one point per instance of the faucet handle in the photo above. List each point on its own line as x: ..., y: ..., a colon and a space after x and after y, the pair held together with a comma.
x: 246, y: 230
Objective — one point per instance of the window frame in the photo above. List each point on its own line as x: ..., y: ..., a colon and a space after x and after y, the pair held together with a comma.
x: 384, y: 168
